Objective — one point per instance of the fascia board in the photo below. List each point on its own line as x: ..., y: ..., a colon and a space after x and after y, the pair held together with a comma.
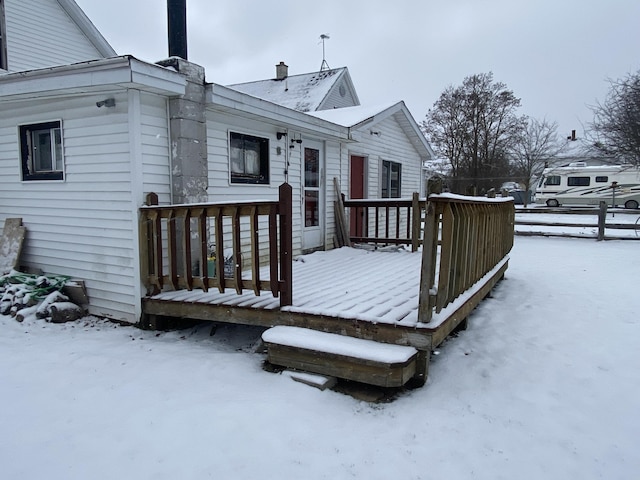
x: 414, y: 128
x: 378, y: 117
x: 157, y: 77
x: 119, y: 71
x: 407, y: 123
x: 347, y: 77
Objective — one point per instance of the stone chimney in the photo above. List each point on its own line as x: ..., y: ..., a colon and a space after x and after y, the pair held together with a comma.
x: 282, y: 71
x: 188, y: 135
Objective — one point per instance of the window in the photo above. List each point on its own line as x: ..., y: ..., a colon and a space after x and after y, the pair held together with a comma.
x: 603, y: 179
x: 41, y: 151
x: 578, y: 181
x: 391, y: 176
x: 249, y: 158
x: 552, y: 180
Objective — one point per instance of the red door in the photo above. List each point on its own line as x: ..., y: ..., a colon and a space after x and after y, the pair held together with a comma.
x: 356, y: 188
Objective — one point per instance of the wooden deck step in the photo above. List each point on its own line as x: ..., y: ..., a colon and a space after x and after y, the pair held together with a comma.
x: 350, y: 358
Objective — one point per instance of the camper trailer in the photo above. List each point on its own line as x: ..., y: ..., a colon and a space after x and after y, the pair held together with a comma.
x: 579, y: 184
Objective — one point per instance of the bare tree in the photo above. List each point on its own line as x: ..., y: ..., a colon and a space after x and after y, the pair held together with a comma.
x: 474, y: 126
x: 534, y: 147
x: 615, y: 130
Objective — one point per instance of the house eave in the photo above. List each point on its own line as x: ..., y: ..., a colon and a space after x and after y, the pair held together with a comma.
x: 95, y: 75
x: 406, y: 122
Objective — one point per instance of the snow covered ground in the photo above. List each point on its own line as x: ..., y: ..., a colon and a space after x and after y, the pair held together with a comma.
x: 544, y: 384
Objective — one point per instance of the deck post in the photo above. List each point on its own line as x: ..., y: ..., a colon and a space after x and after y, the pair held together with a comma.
x: 286, y: 244
x: 422, y: 368
x: 416, y: 219
x: 147, y: 252
x: 427, y: 270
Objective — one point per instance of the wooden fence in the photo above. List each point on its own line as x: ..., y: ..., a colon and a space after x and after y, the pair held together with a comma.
x: 386, y: 221
x: 626, y: 225
x: 464, y: 240
x: 176, y: 243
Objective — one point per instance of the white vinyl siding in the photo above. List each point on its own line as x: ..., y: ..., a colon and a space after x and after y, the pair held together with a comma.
x: 334, y: 98
x: 39, y: 33
x: 335, y: 167
x: 156, y: 170
x: 84, y: 226
x: 391, y: 145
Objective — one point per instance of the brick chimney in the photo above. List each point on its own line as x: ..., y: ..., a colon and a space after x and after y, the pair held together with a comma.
x: 282, y: 71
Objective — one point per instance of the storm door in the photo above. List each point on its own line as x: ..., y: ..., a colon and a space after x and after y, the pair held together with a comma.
x: 312, y: 196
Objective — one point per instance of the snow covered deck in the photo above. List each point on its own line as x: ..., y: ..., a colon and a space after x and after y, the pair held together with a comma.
x: 392, y: 297
x: 349, y: 283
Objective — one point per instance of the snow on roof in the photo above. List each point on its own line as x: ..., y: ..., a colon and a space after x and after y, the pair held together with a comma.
x: 303, y: 92
x: 350, y: 116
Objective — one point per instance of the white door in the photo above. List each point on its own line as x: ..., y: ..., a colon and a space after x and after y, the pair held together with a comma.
x: 312, y: 195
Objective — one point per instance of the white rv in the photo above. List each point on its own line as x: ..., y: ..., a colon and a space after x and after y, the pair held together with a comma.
x: 579, y: 184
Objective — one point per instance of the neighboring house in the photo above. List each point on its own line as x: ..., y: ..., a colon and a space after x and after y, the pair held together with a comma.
x: 84, y: 138
x: 307, y: 92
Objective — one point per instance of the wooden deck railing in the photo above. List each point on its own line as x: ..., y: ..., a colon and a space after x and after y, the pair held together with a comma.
x: 386, y: 221
x: 463, y: 241
x: 183, y: 246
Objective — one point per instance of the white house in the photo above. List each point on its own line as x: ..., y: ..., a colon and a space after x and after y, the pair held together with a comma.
x: 85, y: 135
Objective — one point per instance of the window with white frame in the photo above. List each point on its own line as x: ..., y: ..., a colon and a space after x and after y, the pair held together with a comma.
x: 391, y: 179
x: 41, y: 151
x: 248, y: 158
x: 3, y: 39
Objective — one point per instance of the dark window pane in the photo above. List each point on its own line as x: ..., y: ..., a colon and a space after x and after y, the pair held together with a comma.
x: 311, y: 167
x: 41, y: 151
x: 248, y: 158
x: 553, y: 180
x: 578, y: 181
x: 311, y: 216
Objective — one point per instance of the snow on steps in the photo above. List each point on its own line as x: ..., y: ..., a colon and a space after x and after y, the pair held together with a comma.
x: 356, y: 359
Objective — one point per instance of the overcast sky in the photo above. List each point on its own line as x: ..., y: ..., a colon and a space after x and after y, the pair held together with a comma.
x: 556, y: 55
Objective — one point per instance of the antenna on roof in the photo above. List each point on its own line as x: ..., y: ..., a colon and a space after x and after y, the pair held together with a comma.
x: 324, y: 65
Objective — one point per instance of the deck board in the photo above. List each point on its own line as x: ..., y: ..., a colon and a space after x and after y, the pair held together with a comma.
x: 371, y: 286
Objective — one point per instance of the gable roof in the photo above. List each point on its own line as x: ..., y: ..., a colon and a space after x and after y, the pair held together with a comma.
x: 307, y: 92
x: 87, y: 27
x: 360, y: 118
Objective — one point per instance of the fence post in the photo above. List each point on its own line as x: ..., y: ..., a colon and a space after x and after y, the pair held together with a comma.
x: 286, y: 244
x: 602, y: 219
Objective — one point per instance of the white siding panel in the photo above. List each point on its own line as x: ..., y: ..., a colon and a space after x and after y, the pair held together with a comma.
x: 336, y: 100
x: 156, y: 170
x: 82, y: 226
x: 334, y: 169
x: 392, y: 144
x: 41, y: 34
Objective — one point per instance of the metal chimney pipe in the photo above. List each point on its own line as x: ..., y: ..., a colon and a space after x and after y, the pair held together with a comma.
x: 177, y: 28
